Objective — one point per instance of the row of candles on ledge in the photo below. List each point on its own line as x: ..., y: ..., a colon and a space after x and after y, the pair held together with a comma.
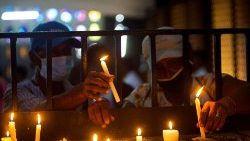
x: 12, y: 129
x: 168, y: 135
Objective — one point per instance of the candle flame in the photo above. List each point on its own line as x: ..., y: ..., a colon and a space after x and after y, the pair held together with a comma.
x: 104, y: 58
x: 170, y: 124
x: 199, y: 91
x: 139, y: 131
x: 12, y: 116
x: 7, y: 133
x: 95, y: 137
x: 38, y: 118
x: 107, y: 139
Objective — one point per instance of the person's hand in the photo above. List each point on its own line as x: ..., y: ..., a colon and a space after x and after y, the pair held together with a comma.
x: 96, y: 83
x: 99, y: 113
x: 214, y: 114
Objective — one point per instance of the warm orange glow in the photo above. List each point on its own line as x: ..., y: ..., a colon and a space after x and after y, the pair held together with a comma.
x: 7, y: 133
x: 139, y: 131
x: 170, y: 125
x: 104, y: 58
x: 38, y: 118
x: 12, y: 116
x: 199, y: 91
x: 107, y: 139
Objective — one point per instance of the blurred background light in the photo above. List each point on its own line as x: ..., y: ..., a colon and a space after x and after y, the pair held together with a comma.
x: 66, y: 16
x: 119, y: 18
x: 81, y: 15
x: 51, y: 14
x: 94, y: 27
x: 81, y: 28
x: 20, y: 15
x: 94, y: 16
x: 23, y: 29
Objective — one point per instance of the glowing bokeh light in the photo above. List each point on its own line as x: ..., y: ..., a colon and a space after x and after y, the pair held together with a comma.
x: 51, y: 14
x: 94, y: 16
x: 66, y: 17
x: 119, y: 18
x: 20, y: 15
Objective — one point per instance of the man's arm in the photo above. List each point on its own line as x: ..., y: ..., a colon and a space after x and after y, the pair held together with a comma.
x: 95, y: 83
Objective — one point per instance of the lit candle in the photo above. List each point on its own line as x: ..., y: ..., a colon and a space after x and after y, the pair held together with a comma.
x: 111, y: 84
x: 38, y: 128
x: 198, y: 110
x: 7, y: 138
x: 170, y: 134
x: 12, y: 127
x: 95, y: 137
x: 139, y: 136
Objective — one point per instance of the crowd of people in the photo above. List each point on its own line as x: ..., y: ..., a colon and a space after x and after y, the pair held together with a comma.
x: 94, y: 90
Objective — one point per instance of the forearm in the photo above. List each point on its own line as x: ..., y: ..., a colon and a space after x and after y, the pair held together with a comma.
x: 69, y: 100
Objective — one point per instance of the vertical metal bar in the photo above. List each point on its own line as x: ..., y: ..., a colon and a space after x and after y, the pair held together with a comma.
x: 13, y: 73
x: 186, y: 49
x: 84, y: 49
x: 153, y: 72
x: 248, y: 55
x: 49, y: 74
x: 118, y: 65
x: 217, y: 65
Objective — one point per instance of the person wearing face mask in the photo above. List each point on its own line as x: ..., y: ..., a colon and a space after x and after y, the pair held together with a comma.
x: 31, y: 94
x: 173, y: 86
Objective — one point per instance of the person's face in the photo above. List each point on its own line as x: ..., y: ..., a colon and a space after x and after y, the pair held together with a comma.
x: 169, y: 68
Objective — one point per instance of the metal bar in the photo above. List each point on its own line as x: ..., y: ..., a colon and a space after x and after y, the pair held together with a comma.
x: 117, y: 54
x: 248, y: 55
x: 84, y: 49
x: 125, y: 32
x: 187, y: 68
x: 153, y: 72
x: 217, y: 65
x: 13, y: 73
x: 49, y: 74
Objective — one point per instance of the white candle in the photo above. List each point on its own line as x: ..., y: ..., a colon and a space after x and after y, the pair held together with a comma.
x: 38, y: 128
x: 7, y: 138
x: 12, y: 127
x: 95, y: 137
x: 170, y: 134
x: 111, y: 84
x: 139, y: 136
x: 198, y: 110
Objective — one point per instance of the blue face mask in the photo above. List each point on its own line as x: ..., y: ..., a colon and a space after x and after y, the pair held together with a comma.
x: 61, y: 67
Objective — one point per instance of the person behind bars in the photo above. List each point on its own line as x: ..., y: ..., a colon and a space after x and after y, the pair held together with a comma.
x: 173, y: 86
x: 32, y: 94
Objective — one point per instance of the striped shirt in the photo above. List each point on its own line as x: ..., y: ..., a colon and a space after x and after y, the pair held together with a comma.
x: 29, y: 96
x: 141, y: 96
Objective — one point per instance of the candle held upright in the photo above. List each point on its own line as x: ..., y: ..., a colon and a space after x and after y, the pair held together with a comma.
x: 12, y: 128
x: 111, y: 84
x: 38, y: 128
x: 139, y: 136
x: 198, y: 110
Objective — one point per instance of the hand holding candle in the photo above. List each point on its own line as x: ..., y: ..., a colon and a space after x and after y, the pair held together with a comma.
x: 7, y: 138
x: 12, y: 127
x: 111, y: 84
x: 139, y: 136
x: 198, y: 110
x: 38, y: 128
x: 171, y: 135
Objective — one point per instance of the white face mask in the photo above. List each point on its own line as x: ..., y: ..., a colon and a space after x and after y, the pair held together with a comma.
x: 61, y: 67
